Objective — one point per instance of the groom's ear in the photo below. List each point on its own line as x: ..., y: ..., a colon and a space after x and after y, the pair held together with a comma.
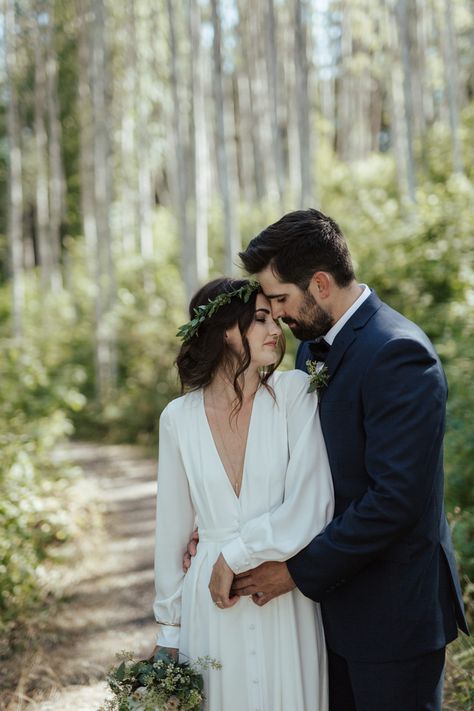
x: 320, y: 285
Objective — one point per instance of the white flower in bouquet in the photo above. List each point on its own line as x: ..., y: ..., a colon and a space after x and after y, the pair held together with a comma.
x: 135, y: 701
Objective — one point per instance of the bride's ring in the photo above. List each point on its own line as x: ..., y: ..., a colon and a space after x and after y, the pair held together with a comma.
x: 218, y: 603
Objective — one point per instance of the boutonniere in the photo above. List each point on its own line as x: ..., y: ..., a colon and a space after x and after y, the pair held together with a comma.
x: 318, y: 379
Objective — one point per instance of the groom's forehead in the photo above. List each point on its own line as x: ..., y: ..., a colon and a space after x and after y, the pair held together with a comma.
x: 273, y: 288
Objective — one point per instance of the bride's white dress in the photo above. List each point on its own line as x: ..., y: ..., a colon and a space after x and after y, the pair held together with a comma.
x: 273, y: 657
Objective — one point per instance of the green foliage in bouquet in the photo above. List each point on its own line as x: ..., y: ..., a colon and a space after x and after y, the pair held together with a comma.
x: 157, y: 684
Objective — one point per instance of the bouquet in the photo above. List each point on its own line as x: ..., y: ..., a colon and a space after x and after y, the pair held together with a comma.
x: 157, y: 684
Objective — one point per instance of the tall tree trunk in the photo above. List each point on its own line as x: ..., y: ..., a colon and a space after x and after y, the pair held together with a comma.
x: 394, y: 80
x: 128, y: 130
x: 188, y: 245
x: 231, y: 235
x: 86, y: 137
x: 422, y: 87
x: 249, y: 62
x: 291, y: 111
x: 46, y: 252
x: 15, y: 187
x: 451, y: 69
x: 144, y: 155
x: 404, y: 43
x: 307, y: 197
x: 272, y: 71
x: 106, y: 356
x: 344, y: 85
x: 201, y: 152
x: 56, y: 172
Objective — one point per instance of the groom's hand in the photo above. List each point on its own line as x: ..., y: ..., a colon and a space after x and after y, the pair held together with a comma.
x: 263, y: 583
x: 191, y: 550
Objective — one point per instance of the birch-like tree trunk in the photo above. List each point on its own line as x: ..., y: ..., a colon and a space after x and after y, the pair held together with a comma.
x: 451, y: 69
x: 15, y: 187
x: 307, y: 197
x: 46, y: 251
x: 181, y: 197
x: 143, y: 143
x: 129, y: 98
x: 231, y: 235
x: 200, y: 143
x: 57, y: 188
x: 247, y: 83
x: 106, y: 356
x: 394, y: 80
x: 344, y: 106
x: 291, y: 112
x: 401, y: 12
x: 86, y: 137
x: 272, y: 72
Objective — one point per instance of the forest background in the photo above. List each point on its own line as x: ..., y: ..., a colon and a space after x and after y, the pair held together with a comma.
x: 141, y: 144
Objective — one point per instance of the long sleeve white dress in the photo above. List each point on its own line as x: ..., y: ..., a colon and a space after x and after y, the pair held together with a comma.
x: 273, y: 657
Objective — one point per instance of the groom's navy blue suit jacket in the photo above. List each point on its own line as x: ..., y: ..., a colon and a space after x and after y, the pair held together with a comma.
x: 384, y: 568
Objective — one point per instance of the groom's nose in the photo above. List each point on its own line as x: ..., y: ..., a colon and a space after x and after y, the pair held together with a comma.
x: 277, y: 310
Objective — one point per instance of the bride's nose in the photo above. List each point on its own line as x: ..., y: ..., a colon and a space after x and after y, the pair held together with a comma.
x: 275, y: 329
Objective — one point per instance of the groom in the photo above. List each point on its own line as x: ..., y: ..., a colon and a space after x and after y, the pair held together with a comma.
x: 383, y: 569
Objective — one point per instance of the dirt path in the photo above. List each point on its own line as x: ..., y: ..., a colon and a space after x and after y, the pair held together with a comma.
x: 110, y: 608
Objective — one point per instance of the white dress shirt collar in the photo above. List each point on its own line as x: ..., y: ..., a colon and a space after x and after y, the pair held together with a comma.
x: 334, y: 330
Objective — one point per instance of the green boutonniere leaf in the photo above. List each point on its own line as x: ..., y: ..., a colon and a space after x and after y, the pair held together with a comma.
x: 318, y: 379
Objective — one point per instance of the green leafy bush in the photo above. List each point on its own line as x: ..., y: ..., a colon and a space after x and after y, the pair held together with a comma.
x: 34, y: 516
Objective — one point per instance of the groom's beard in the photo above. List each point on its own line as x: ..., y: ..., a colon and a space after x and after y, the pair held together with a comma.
x: 312, y: 320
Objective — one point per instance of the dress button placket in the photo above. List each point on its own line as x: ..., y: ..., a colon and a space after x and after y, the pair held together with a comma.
x: 257, y: 698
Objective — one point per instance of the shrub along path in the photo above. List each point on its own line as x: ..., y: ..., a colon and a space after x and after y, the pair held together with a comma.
x: 110, y: 607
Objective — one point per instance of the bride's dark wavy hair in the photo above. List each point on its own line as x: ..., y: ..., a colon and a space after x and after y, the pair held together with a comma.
x: 200, y: 358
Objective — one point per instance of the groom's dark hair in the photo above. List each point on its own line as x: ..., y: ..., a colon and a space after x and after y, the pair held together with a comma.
x: 298, y: 245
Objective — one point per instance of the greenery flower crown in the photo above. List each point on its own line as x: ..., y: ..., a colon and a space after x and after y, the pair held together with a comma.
x: 204, y: 311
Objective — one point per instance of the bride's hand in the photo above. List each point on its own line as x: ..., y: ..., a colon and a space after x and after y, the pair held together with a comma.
x: 221, y: 583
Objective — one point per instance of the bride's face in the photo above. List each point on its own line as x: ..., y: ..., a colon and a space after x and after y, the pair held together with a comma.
x: 263, y: 335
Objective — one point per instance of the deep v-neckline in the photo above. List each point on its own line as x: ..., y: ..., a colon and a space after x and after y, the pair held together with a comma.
x: 216, y: 450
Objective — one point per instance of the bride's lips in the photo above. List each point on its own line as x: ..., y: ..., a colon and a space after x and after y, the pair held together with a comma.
x: 271, y: 343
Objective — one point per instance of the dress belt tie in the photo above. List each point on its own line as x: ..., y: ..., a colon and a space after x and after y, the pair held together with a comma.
x: 217, y: 534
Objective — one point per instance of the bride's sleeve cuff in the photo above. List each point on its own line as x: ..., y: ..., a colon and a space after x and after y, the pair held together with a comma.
x: 237, y: 556
x: 168, y: 636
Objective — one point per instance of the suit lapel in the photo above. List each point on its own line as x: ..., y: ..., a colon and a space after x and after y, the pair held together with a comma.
x: 349, y: 332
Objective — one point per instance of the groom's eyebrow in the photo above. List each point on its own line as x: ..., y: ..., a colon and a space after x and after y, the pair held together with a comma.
x: 274, y: 296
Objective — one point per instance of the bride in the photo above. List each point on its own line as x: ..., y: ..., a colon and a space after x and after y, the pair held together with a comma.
x: 242, y: 457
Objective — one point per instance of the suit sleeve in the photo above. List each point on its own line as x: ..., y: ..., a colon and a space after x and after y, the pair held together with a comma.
x: 302, y: 355
x: 308, y: 502
x: 404, y: 395
x: 174, y: 524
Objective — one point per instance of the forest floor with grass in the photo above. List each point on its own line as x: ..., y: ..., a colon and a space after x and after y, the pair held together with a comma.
x: 107, y: 602
x: 106, y: 606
